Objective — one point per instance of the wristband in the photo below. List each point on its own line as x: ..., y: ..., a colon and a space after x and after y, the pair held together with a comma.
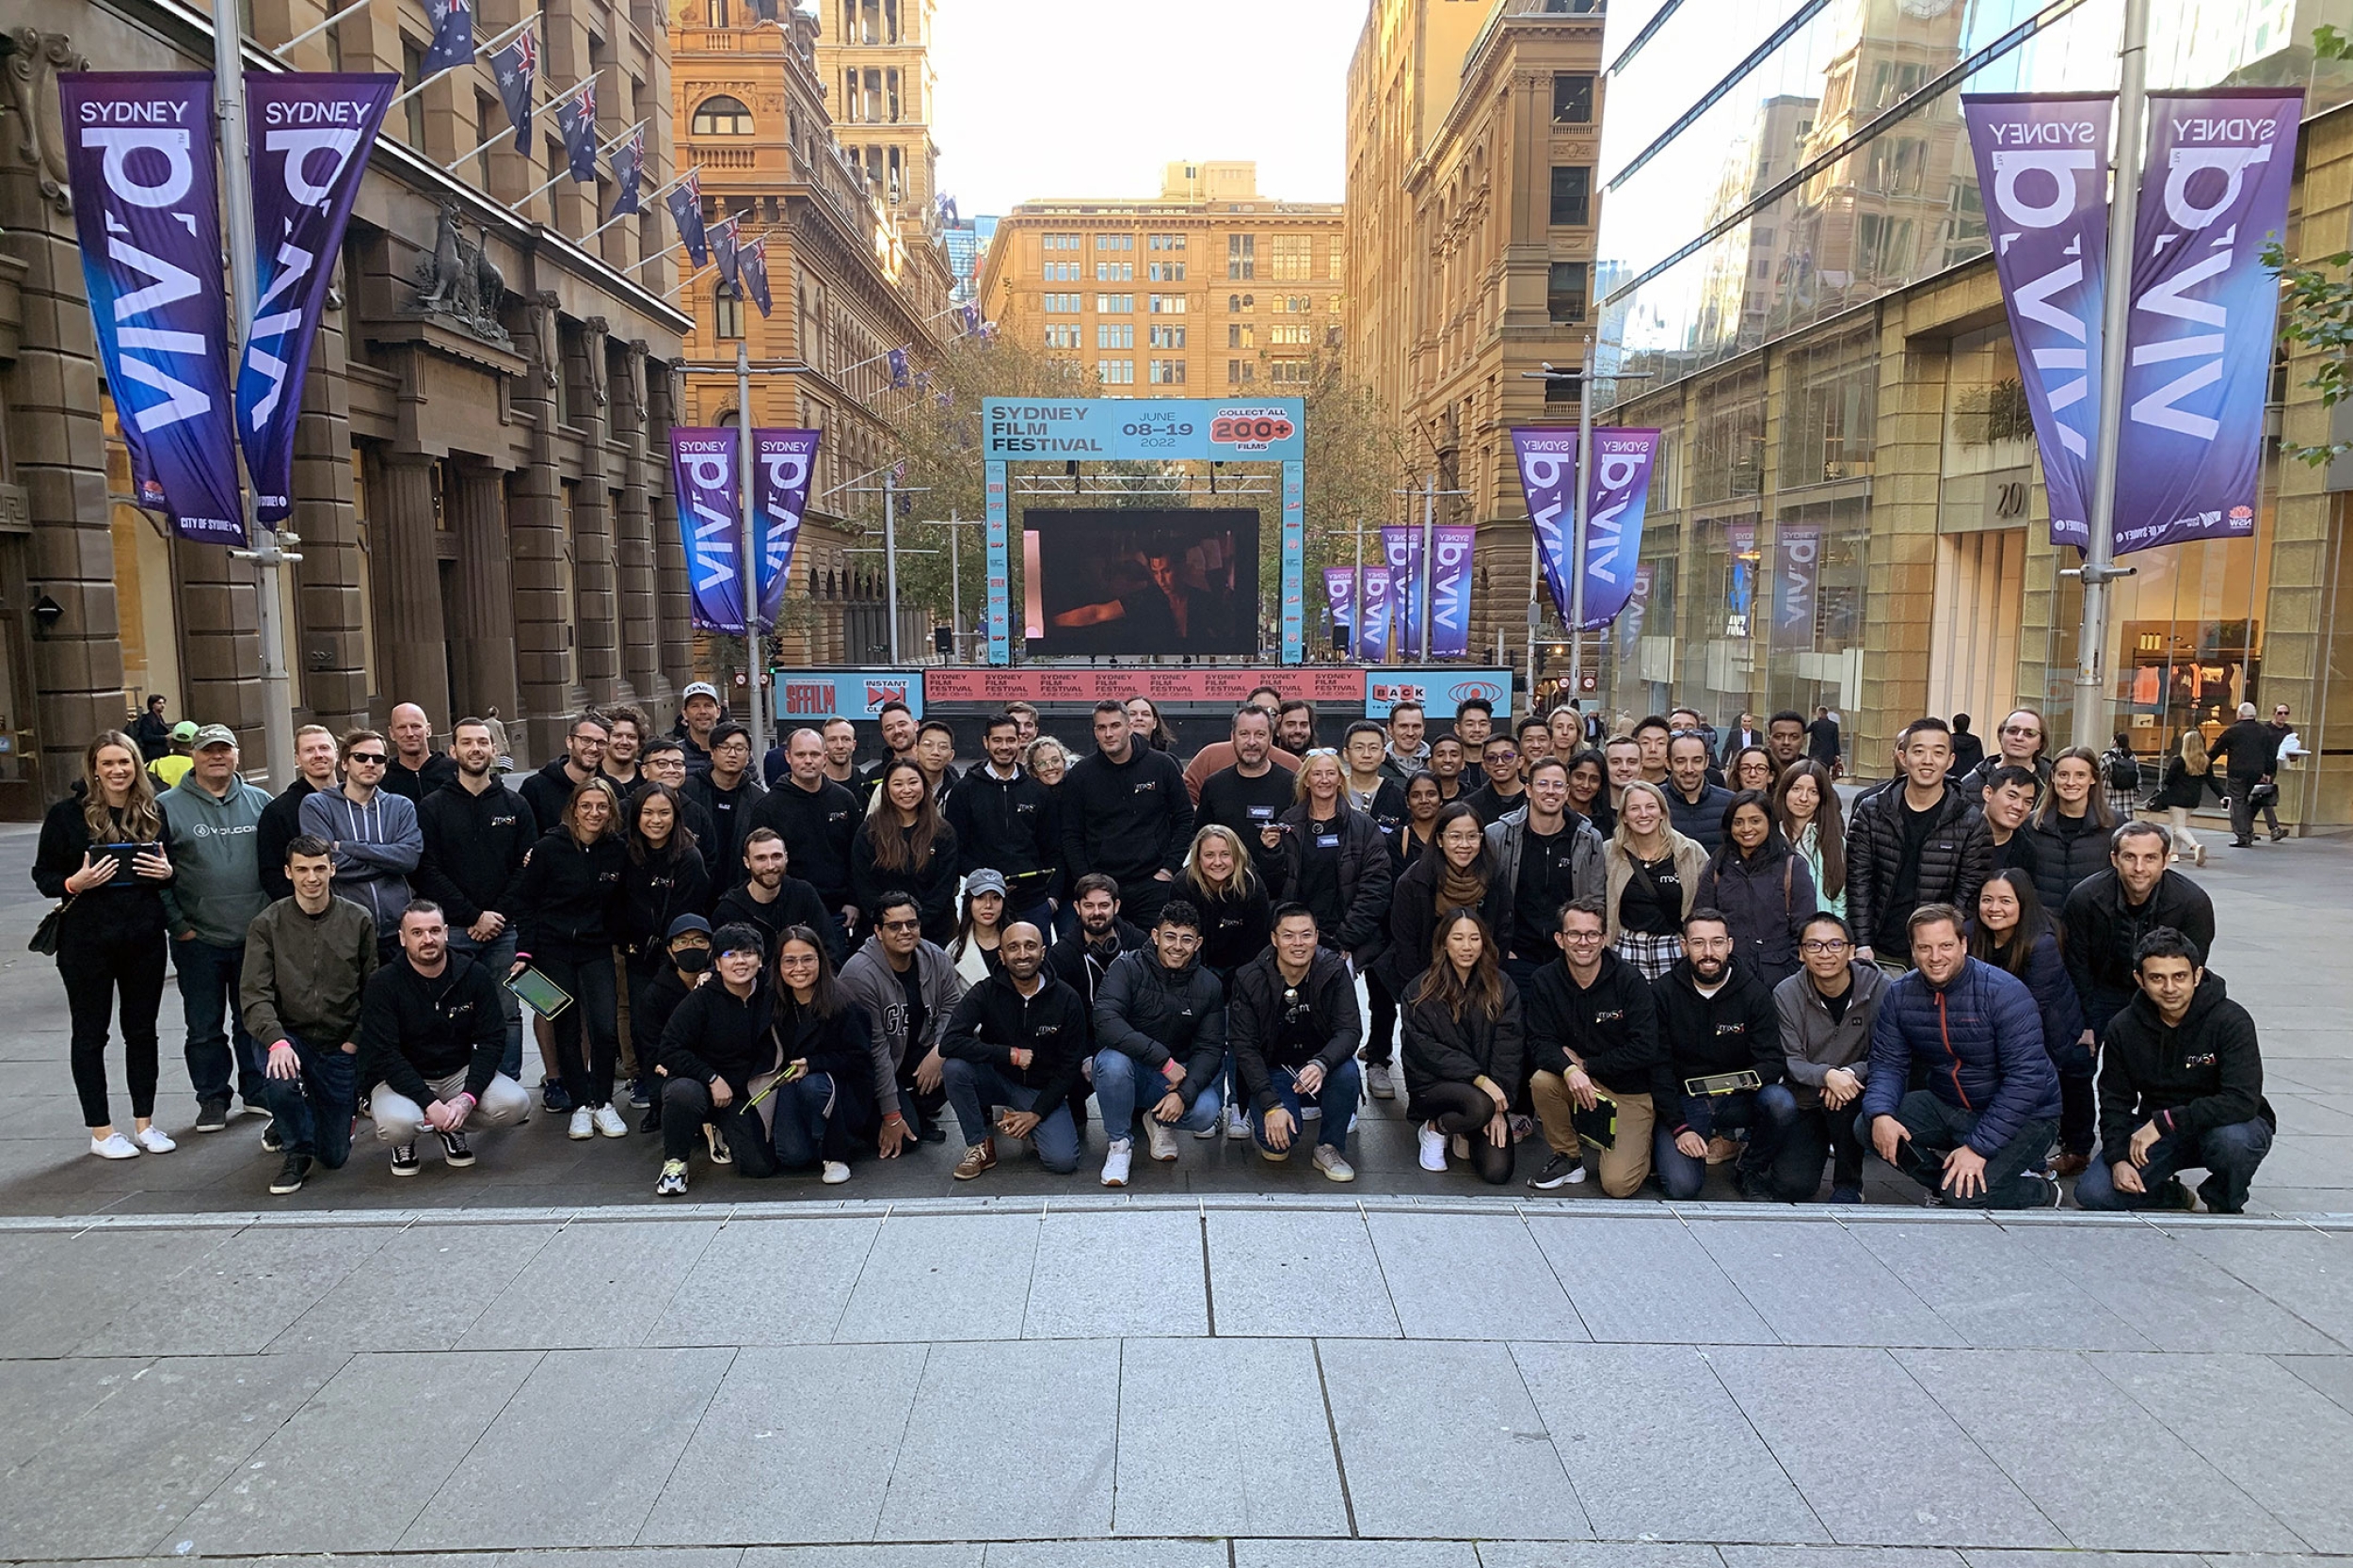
x: 467, y: 1095
x: 282, y: 1044
x: 895, y: 1116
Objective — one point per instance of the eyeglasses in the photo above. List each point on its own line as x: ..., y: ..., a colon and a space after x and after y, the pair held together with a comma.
x: 2027, y: 729
x: 902, y: 925
x: 1833, y: 944
x: 373, y: 759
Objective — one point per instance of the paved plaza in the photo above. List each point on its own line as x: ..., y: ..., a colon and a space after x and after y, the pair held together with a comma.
x: 1226, y: 1367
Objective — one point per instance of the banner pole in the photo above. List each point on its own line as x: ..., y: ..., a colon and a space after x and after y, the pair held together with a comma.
x: 1577, y: 536
x: 236, y: 202
x: 2091, y: 721
x: 891, y: 562
x: 754, y: 701
x: 1429, y: 562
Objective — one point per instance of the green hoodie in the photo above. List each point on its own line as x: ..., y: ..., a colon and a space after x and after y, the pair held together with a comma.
x: 216, y: 889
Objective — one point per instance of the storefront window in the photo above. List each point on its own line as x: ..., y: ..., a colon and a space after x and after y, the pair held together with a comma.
x: 1811, y: 615
x: 1728, y: 446
x: 1827, y: 419
x: 145, y: 607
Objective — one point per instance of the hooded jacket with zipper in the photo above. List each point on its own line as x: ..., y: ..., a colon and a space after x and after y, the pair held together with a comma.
x: 1079, y: 965
x: 1813, y: 1042
x: 569, y: 899
x: 1155, y: 1015
x: 1980, y: 1040
x: 1611, y: 1026
x: 2190, y: 1078
x: 474, y: 847
x: 994, y: 1016
x: 1255, y: 1020
x: 655, y: 892
x: 718, y: 1034
x: 868, y: 980
x: 1443, y: 1047
x: 1365, y: 869
x: 1734, y: 1030
x: 546, y: 791
x: 1765, y: 899
x: 1700, y: 820
x: 2102, y: 931
x: 1009, y: 825
x: 216, y: 887
x: 1955, y: 859
x: 1505, y: 838
x: 376, y: 846
x: 1128, y: 819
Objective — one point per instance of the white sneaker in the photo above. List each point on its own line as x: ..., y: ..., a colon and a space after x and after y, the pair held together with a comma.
x: 1378, y: 1082
x: 833, y: 1172
x: 607, y: 1121
x: 1162, y: 1140
x: 584, y: 1124
x: 1333, y: 1163
x: 153, y: 1141
x: 1432, y: 1148
x: 1237, y: 1122
x: 1116, y: 1160
x: 114, y: 1146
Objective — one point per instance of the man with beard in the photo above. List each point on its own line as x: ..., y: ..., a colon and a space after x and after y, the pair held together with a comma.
x: 1016, y: 1043
x: 478, y: 833
x: 549, y: 789
x: 897, y: 721
x: 1160, y: 1028
x: 1719, y: 1023
x: 1250, y: 793
x: 818, y: 818
x: 1218, y: 756
x: 909, y: 989
x: 767, y: 900
x: 1696, y: 805
x: 1784, y: 737
x: 840, y: 736
x: 1295, y: 725
x: 1126, y: 815
x: 698, y: 715
x: 1593, y: 1032
x: 1006, y: 823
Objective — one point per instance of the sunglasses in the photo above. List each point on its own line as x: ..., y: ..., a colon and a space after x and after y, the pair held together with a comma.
x: 373, y: 759
x: 902, y: 925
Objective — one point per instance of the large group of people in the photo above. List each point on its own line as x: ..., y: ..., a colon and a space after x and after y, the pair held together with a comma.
x: 1645, y: 954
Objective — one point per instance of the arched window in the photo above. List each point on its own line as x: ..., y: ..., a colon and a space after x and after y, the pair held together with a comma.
x: 721, y: 116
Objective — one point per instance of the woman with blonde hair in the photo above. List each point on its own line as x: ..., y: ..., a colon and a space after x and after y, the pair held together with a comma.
x: 1047, y: 761
x: 2188, y: 776
x: 102, y: 850
x: 1237, y: 916
x: 1649, y: 873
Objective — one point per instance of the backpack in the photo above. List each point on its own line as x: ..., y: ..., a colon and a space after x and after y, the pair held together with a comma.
x: 2123, y: 771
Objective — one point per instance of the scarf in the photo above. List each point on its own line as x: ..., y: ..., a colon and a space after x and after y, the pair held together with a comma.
x: 1460, y: 887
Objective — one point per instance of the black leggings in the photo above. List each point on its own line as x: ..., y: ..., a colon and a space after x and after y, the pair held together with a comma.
x: 589, y: 975
x: 1380, y: 1037
x: 1463, y: 1110
x: 91, y: 971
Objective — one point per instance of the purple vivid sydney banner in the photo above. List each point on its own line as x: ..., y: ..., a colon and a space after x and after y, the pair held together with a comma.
x: 2043, y: 176
x: 703, y: 467
x: 1403, y: 548
x: 2198, y: 349
x: 141, y: 158
x: 782, y: 461
x: 1546, y: 458
x: 1450, y: 590
x: 307, y: 137
x: 1339, y: 588
x: 1614, y: 504
x: 1372, y: 643
x: 1794, y: 578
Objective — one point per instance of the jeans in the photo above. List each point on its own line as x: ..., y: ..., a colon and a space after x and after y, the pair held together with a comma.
x: 974, y: 1085
x: 1816, y: 1132
x: 94, y: 972
x: 1464, y: 1110
x: 589, y: 975
x: 2229, y: 1155
x: 498, y: 955
x: 1121, y: 1081
x: 1343, y: 1086
x: 1766, y: 1114
x: 208, y: 989
x: 399, y: 1119
x: 313, y: 1109
x: 1932, y: 1129
x: 808, y: 1126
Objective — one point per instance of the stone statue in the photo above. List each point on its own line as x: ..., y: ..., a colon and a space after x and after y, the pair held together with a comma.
x: 459, y: 282
x: 439, y: 275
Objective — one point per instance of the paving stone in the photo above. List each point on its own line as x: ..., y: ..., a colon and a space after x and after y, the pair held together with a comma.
x: 948, y: 1276
x: 2280, y: 1439
x: 769, y: 1282
x: 238, y: 1296
x: 1841, y: 1556
x: 641, y: 1405
x: 1595, y: 1554
x: 1817, y: 1285
x: 1105, y: 1554
x: 58, y: 1288
x: 1117, y: 1272
x: 1993, y: 1289
x: 964, y: 1553
x: 797, y: 1443
x: 1689, y: 1469
x: 161, y: 1444
x: 592, y: 1285
x: 676, y: 1557
x: 2309, y: 1273
x: 1646, y: 1281
x: 38, y: 1396
x: 1440, y: 1439
x: 1225, y: 1437
x: 1355, y: 1554
x: 1833, y: 1417
x: 2331, y: 1374
x: 2177, y: 1300
x: 421, y: 1291
x: 1979, y: 1557
x: 1470, y: 1276
x: 1297, y: 1272
x: 1050, y: 1480
x: 360, y: 1460
x: 2042, y: 1413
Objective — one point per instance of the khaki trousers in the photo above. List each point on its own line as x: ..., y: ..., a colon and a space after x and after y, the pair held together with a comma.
x: 1621, y: 1171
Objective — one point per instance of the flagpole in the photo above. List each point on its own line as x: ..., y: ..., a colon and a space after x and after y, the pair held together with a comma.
x: 451, y: 167
x: 556, y: 179
x: 236, y: 203
x: 751, y: 553
x: 2091, y: 721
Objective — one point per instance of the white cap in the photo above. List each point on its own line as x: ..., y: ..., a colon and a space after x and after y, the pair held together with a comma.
x: 698, y: 688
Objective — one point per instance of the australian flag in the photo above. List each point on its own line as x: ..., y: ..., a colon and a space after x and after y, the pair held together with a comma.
x: 752, y: 273
x: 452, y: 35
x: 576, y: 117
x: 628, y: 166
x: 898, y: 367
x: 516, y: 68
x: 685, y: 202
x: 971, y: 315
x: 722, y: 246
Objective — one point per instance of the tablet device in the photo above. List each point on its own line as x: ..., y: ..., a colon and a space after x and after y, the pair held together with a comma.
x: 121, y: 854
x: 1599, y: 1126
x: 540, y: 994
x: 1722, y: 1083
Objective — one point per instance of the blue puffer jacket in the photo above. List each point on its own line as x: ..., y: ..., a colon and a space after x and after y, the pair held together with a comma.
x: 2054, y: 998
x: 1980, y: 1039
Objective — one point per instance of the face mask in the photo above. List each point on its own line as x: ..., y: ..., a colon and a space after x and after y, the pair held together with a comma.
x: 692, y: 960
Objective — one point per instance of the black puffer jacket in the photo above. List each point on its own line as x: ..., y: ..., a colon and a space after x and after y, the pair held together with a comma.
x: 1365, y: 872
x: 1954, y: 861
x: 1413, y: 919
x: 2102, y: 931
x: 1258, y: 1018
x: 1442, y: 1048
x: 1154, y: 1014
x: 2067, y: 850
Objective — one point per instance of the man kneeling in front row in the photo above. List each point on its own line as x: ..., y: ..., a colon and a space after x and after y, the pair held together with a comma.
x: 1295, y: 1027
x: 431, y: 1033
x: 2181, y: 1088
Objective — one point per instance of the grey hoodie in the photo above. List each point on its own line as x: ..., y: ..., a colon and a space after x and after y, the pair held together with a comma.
x: 1812, y: 1044
x: 873, y: 985
x: 216, y: 889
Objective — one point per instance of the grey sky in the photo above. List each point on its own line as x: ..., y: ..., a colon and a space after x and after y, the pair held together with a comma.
x: 1082, y: 98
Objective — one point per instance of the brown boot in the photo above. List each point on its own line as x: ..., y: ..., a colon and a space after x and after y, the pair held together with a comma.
x: 980, y: 1157
x: 2071, y: 1164
x: 1722, y: 1151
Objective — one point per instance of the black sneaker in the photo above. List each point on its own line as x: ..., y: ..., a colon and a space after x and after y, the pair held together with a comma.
x: 553, y: 1096
x: 405, y: 1160
x: 212, y: 1114
x: 291, y: 1176
x: 271, y: 1143
x: 1559, y: 1172
x: 640, y: 1098
x: 453, y: 1149
x: 651, y: 1121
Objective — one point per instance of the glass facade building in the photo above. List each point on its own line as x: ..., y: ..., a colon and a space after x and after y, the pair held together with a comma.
x: 1847, y: 510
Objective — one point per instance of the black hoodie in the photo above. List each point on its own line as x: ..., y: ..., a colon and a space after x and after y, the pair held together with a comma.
x: 570, y: 899
x: 658, y: 891
x: 2200, y: 1074
x: 994, y: 1017
x: 412, y: 1028
x: 795, y: 904
x: 1079, y: 965
x: 474, y: 847
x: 1611, y: 1026
x: 715, y: 1034
x: 1128, y: 819
x: 1009, y: 825
x: 1266, y: 1031
x: 1734, y: 1030
x: 816, y: 827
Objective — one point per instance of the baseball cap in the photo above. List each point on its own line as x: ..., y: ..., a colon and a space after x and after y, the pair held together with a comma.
x: 984, y: 881
x: 685, y: 924
x: 698, y: 688
x: 183, y: 732
x: 215, y: 735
